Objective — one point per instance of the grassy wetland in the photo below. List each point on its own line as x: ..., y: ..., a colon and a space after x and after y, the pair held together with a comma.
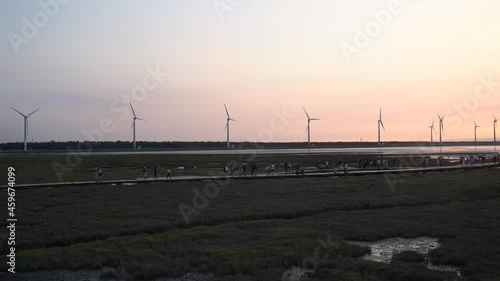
x: 258, y: 229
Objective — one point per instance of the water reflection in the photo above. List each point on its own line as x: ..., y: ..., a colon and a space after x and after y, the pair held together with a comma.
x: 384, y: 250
x: 410, y: 150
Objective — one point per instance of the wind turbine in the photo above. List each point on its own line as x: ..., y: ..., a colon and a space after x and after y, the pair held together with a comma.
x: 309, y: 119
x: 25, y: 126
x: 379, y: 124
x: 494, y: 129
x: 441, y: 128
x: 227, y: 125
x: 133, y: 122
x: 432, y: 129
x: 475, y: 130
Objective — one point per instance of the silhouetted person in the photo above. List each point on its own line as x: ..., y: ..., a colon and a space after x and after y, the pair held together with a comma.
x: 169, y: 176
x: 99, y: 171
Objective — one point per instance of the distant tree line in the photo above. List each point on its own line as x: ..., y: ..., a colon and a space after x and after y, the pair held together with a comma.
x: 110, y: 145
x: 194, y: 145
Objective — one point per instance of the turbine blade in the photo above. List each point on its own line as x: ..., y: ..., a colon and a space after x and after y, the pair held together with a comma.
x: 433, y: 122
x: 18, y: 112
x: 131, y: 126
x: 312, y: 119
x: 27, y: 127
x: 225, y: 127
x: 307, y: 129
x: 137, y: 118
x: 133, y: 112
x: 306, y: 113
x: 434, y: 129
x: 233, y: 120
x: 32, y: 113
x: 380, y: 114
x: 227, y: 113
x: 382, y: 123
x: 440, y: 119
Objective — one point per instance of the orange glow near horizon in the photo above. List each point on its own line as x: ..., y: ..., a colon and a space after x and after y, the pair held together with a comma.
x: 260, y: 58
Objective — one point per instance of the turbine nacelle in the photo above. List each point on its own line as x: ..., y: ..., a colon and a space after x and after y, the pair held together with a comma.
x: 309, y: 119
x: 308, y: 129
x: 432, y: 126
x: 228, y: 120
x: 133, y: 121
x: 26, y: 125
x: 441, y: 121
x: 380, y: 119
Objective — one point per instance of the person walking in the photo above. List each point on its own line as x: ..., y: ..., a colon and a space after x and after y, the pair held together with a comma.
x: 254, y: 169
x: 155, y: 171
x: 145, y: 172
x: 99, y: 172
x: 169, y: 176
x: 96, y: 175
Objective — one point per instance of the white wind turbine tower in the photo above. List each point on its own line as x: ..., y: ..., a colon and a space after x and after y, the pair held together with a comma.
x: 309, y: 119
x: 133, y: 122
x: 441, y: 128
x: 475, y: 130
x: 227, y: 125
x: 432, y: 129
x: 25, y: 126
x: 380, y: 123
x: 494, y: 129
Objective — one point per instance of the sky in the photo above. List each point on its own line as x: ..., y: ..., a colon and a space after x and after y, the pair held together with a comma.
x: 178, y: 62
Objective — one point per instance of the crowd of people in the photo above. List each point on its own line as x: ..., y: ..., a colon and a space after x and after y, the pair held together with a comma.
x: 471, y: 160
x: 240, y: 169
x: 156, y: 169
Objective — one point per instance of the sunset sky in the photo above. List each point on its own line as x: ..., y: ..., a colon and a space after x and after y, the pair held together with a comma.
x: 258, y: 57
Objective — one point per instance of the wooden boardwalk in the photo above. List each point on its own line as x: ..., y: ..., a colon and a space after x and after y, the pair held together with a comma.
x: 307, y: 174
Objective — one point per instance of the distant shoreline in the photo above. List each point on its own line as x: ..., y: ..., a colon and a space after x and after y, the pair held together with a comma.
x: 246, y: 147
